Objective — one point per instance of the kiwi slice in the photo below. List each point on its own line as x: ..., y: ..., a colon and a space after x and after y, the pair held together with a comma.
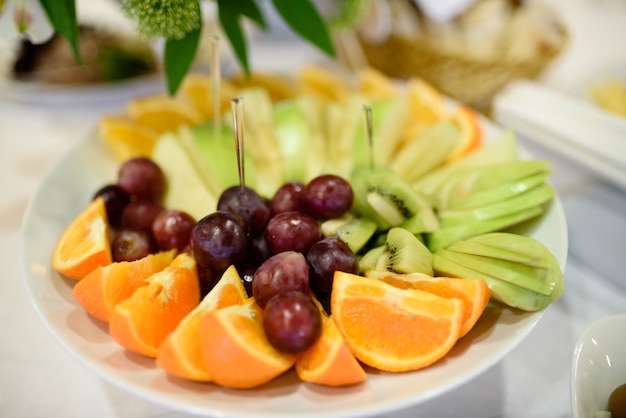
x: 354, y: 231
x: 370, y: 258
x: 389, y: 200
x: 404, y: 253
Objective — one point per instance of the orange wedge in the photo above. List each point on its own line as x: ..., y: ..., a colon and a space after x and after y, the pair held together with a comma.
x: 197, y: 90
x: 473, y: 292
x: 328, y: 361
x: 180, y: 354
x: 427, y: 106
x: 84, y: 244
x: 143, y: 321
x: 392, y: 329
x: 126, y: 137
x: 236, y: 351
x: 278, y: 87
x: 375, y: 85
x: 468, y: 123
x: 323, y: 84
x: 163, y: 113
x: 106, y: 286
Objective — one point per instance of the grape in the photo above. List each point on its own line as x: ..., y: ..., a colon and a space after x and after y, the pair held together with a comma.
x: 208, y: 278
x: 140, y: 215
x: 292, y: 231
x: 142, y: 178
x: 247, y: 203
x: 292, y: 322
x: 259, y: 252
x: 131, y: 245
x: 172, y: 228
x: 289, y: 197
x: 281, y: 272
x: 328, y: 196
x: 115, y: 200
x: 327, y: 256
x: 219, y: 240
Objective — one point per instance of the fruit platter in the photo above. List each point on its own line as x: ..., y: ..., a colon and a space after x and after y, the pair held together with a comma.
x: 446, y: 244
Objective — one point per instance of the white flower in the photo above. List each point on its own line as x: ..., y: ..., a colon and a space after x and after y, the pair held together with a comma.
x: 24, y: 18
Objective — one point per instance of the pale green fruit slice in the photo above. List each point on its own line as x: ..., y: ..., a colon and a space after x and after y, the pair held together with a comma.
x: 446, y: 236
x: 426, y: 152
x: 354, y: 231
x: 185, y: 189
x: 505, y: 292
x: 499, y: 193
x: 534, y: 197
x: 502, y: 150
x: 293, y: 138
x: 520, y: 274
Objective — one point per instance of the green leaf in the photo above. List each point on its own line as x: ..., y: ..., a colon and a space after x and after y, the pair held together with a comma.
x: 62, y: 15
x: 305, y: 20
x: 178, y: 57
x: 250, y: 9
x: 229, y: 13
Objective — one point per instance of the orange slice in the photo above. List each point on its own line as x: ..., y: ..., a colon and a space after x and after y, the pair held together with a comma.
x: 163, y: 113
x: 126, y: 137
x: 197, y: 90
x: 427, y: 106
x: 143, y: 321
x: 180, y: 354
x: 236, y: 351
x: 375, y: 85
x: 468, y: 123
x: 278, y: 87
x: 106, y: 286
x: 392, y: 329
x: 323, y: 84
x: 329, y: 361
x: 473, y: 292
x: 84, y: 244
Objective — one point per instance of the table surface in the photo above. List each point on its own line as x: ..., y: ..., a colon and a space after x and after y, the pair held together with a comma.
x: 38, y: 378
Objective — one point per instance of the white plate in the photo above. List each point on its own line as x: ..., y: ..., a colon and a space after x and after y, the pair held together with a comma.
x: 68, y: 188
x: 598, y: 365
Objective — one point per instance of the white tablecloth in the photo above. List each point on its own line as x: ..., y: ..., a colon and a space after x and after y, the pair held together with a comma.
x: 39, y: 379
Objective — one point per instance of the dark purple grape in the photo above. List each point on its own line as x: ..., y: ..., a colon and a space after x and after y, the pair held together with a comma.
x: 327, y: 256
x: 208, y: 278
x: 289, y: 197
x: 142, y: 178
x: 291, y: 321
x: 247, y: 203
x: 131, y: 245
x: 259, y: 252
x: 140, y: 215
x: 292, y: 231
x: 219, y: 240
x: 328, y: 196
x: 281, y: 272
x: 115, y: 200
x: 172, y: 228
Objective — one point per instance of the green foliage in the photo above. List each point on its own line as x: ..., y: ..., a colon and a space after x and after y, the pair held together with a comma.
x: 179, y: 22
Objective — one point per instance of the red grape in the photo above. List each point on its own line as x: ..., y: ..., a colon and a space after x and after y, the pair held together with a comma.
x: 219, y: 240
x: 289, y: 197
x: 131, y: 245
x: 172, y: 228
x: 327, y: 256
x: 142, y: 178
x: 291, y: 321
x: 281, y: 272
x: 248, y: 204
x: 140, y: 215
x: 328, y: 196
x: 292, y: 231
x: 115, y: 200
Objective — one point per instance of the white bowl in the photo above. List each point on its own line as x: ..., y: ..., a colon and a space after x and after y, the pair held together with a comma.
x: 598, y: 365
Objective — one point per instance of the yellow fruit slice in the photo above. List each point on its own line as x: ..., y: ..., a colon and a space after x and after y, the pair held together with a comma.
x: 163, y: 113
x: 126, y: 137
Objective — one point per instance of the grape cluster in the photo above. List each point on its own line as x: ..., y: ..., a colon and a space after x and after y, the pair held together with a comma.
x: 140, y: 224
x: 276, y: 243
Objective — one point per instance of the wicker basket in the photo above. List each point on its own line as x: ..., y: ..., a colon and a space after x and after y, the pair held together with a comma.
x: 468, y: 79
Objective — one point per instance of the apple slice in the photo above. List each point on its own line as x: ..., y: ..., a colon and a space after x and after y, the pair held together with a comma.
x: 186, y: 189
